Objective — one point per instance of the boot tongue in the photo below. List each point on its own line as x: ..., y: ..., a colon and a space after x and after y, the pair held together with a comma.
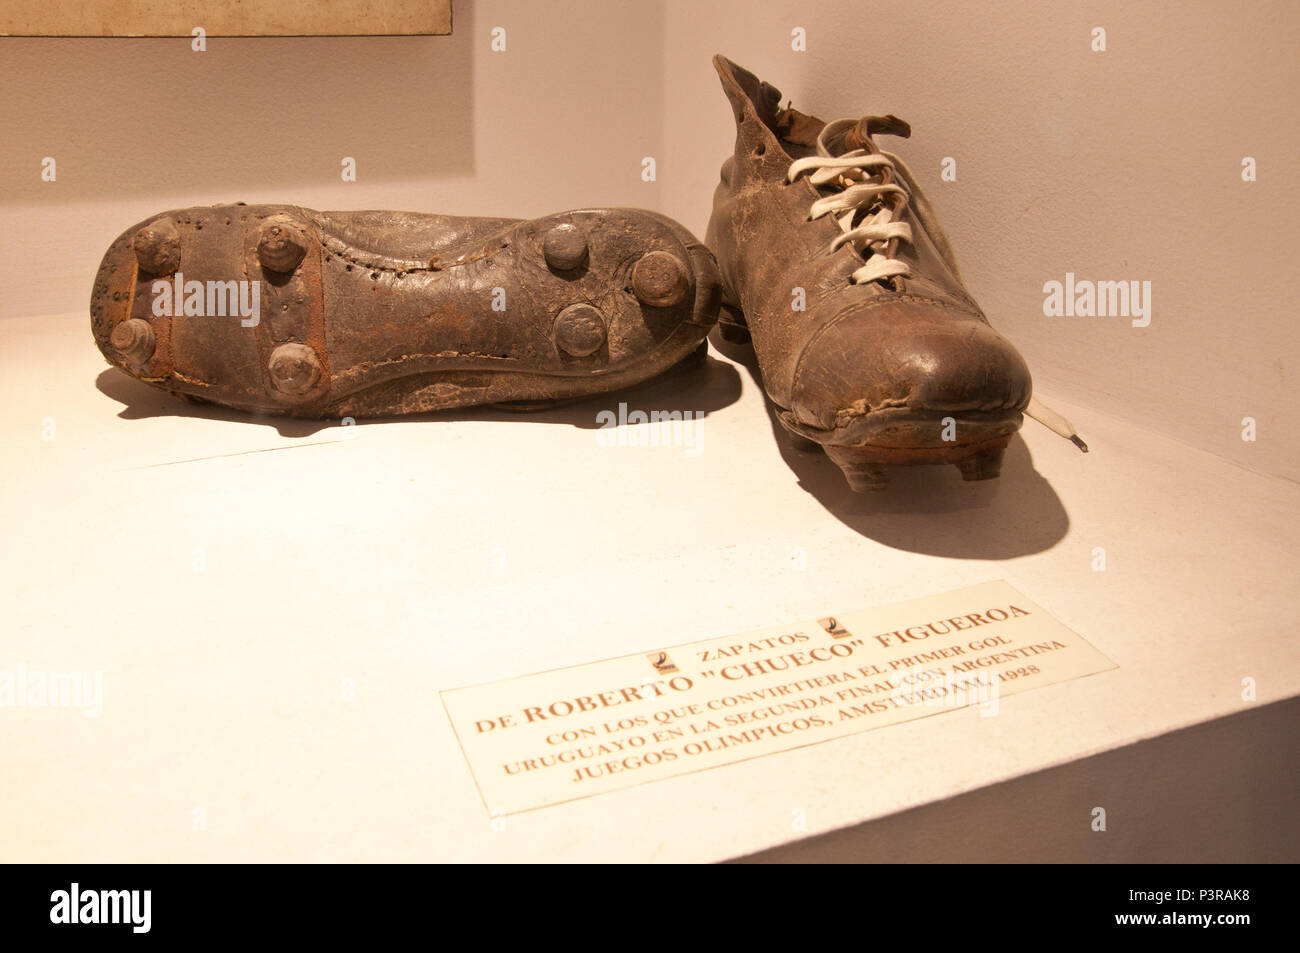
x: 860, y: 134
x: 798, y: 128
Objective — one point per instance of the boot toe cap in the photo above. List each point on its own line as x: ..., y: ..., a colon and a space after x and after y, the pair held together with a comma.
x: 917, y: 358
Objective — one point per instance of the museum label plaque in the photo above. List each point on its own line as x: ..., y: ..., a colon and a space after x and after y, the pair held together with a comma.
x: 588, y: 729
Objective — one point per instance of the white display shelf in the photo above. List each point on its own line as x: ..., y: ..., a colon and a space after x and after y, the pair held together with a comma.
x: 232, y: 577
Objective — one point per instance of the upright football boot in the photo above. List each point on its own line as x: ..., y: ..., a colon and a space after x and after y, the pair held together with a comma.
x: 285, y: 310
x: 833, y: 263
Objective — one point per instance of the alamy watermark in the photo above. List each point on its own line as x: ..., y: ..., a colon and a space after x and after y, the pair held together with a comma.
x: 76, y: 905
x: 655, y: 428
x: 23, y: 687
x: 934, y: 688
x: 210, y: 299
x: 1086, y: 299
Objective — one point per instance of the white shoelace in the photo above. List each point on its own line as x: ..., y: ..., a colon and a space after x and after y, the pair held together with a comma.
x: 866, y: 180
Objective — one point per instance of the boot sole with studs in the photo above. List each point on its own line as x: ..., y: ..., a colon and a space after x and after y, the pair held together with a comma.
x: 285, y: 310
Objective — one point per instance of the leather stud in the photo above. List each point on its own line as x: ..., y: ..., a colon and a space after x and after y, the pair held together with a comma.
x: 982, y: 465
x: 158, y: 247
x: 134, y: 340
x: 579, y: 330
x: 565, y: 247
x: 281, y: 246
x: 862, y: 471
x: 659, y: 280
x: 295, y: 369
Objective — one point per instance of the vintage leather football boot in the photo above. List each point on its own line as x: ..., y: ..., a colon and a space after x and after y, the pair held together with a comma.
x: 833, y: 262
x: 285, y: 310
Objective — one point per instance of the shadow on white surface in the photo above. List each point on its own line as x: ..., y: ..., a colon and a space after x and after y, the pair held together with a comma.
x: 698, y: 389
x: 930, y: 509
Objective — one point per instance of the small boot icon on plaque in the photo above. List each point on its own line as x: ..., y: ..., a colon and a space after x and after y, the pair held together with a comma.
x: 662, y: 663
x: 832, y: 625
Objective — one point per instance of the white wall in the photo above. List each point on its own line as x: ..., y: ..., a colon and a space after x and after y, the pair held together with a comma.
x: 1117, y: 165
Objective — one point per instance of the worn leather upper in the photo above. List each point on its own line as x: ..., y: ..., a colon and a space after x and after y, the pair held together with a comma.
x: 919, y: 341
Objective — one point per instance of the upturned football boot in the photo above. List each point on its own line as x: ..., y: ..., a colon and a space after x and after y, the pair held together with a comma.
x: 284, y: 310
x: 833, y: 263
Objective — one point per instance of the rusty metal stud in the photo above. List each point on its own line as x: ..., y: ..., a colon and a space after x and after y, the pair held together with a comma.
x: 281, y: 246
x: 659, y: 280
x: 580, y: 330
x: 158, y: 247
x: 134, y: 340
x: 565, y: 247
x: 295, y: 369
